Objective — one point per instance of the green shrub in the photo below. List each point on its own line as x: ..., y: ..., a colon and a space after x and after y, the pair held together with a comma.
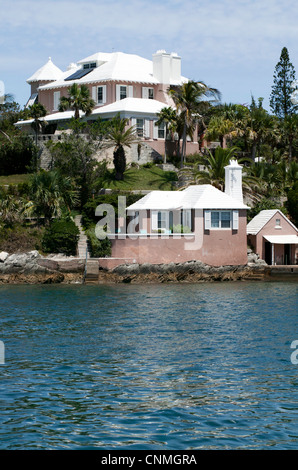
x: 21, y: 238
x: 292, y: 203
x: 88, y: 213
x: 61, y: 236
x: 98, y: 248
x: 16, y: 155
x: 180, y: 229
x: 148, y: 165
x: 264, y: 204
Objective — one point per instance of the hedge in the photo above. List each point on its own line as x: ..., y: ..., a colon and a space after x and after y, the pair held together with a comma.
x: 61, y: 236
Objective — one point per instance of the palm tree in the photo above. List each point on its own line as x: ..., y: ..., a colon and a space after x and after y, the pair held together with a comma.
x: 37, y: 111
x: 262, y: 126
x: 214, y: 171
x: 228, y: 121
x: 78, y: 99
x: 218, y: 128
x: 188, y: 99
x: 120, y: 136
x: 12, y: 210
x: 51, y: 194
x: 166, y: 116
x: 290, y: 131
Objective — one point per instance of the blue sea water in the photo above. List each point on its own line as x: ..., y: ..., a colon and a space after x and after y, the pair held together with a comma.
x: 159, y: 367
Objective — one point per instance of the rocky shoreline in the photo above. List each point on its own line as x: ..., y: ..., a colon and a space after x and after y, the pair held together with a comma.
x: 33, y: 268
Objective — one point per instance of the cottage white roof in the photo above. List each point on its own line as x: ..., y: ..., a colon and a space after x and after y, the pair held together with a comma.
x: 157, y: 200
x: 48, y: 71
x: 206, y: 196
x: 117, y: 66
x: 202, y: 196
x: 261, y: 219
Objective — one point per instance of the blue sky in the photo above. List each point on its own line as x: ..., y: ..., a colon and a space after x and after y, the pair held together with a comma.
x: 232, y: 45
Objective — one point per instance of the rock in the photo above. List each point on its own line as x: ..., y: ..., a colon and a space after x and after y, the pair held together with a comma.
x: 3, y: 256
x: 48, y: 263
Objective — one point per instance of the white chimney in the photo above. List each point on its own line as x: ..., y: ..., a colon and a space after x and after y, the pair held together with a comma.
x: 175, y: 67
x: 162, y: 66
x: 233, y: 180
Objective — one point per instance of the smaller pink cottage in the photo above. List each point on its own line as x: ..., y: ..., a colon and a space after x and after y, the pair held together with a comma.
x: 273, y: 237
x: 198, y: 223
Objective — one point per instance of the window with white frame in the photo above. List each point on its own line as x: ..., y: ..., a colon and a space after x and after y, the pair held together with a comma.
x: 161, y: 221
x: 147, y: 93
x: 221, y: 219
x: 277, y: 223
x: 91, y: 65
x: 124, y: 91
x: 99, y: 94
x: 161, y: 131
x: 140, y: 127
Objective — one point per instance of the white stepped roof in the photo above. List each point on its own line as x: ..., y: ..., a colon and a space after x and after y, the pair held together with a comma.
x: 116, y: 66
x: 202, y: 196
x: 261, y: 219
x: 128, y: 105
x: 48, y: 71
x: 131, y: 105
x: 52, y: 117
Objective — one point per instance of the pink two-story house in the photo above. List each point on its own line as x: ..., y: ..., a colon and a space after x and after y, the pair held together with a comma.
x: 127, y: 84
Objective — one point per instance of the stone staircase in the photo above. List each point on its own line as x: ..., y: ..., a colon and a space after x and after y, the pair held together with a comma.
x: 92, y: 266
x: 92, y: 272
x: 83, y: 241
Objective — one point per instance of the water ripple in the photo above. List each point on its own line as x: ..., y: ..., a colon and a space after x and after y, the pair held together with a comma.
x: 149, y: 367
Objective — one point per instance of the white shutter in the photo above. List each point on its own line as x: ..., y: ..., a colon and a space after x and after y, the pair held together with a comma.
x: 154, y: 220
x: 187, y: 217
x: 94, y: 93
x: 130, y: 91
x: 155, y: 130
x: 118, y: 92
x: 207, y: 217
x: 235, y: 220
x: 147, y: 128
x: 56, y: 100
x: 145, y: 92
x: 104, y: 94
x: 133, y: 122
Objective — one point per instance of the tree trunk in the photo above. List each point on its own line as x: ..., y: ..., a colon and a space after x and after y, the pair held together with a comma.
x: 254, y: 150
x: 290, y: 149
x: 119, y: 163
x: 165, y: 157
x: 183, y: 151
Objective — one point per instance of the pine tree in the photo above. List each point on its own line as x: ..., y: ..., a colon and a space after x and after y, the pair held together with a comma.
x: 284, y: 75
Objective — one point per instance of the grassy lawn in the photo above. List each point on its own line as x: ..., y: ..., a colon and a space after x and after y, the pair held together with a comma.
x: 143, y: 178
x: 13, y: 179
